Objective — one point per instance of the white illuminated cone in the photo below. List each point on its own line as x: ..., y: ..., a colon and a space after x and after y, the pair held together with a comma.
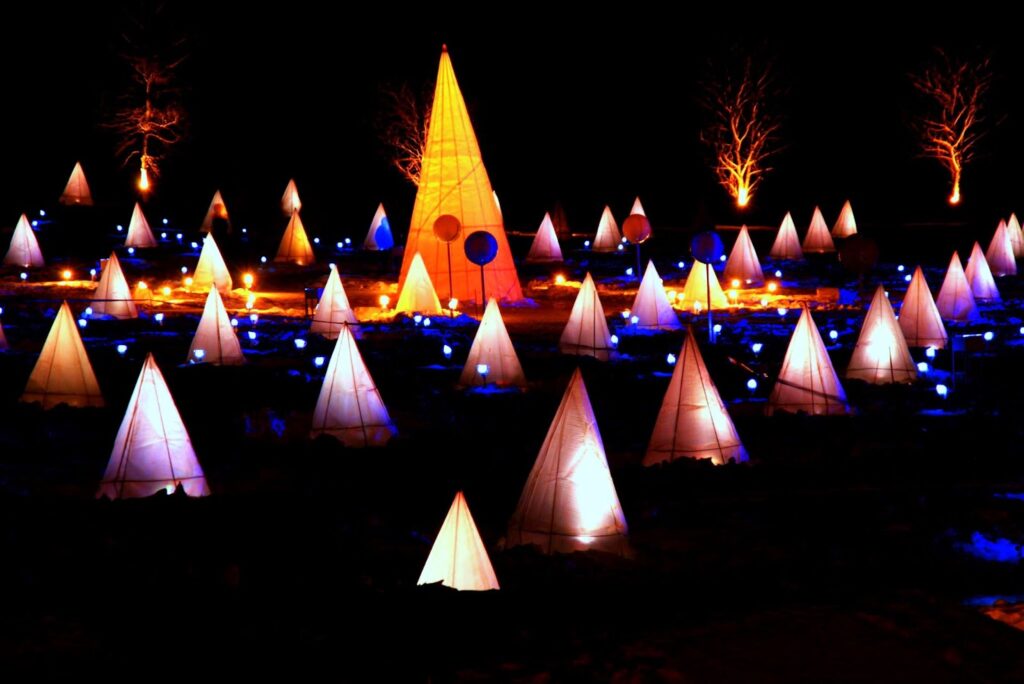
x: 956, y: 300
x: 608, y: 237
x: 333, y: 310
x: 76, y: 192
x: 418, y: 294
x: 846, y: 224
x: 545, y: 245
x: 807, y: 381
x: 695, y: 292
x: 787, y: 242
x: 458, y: 558
x: 63, y: 373
x: 24, y: 250
x: 979, y: 275
x: 113, y: 295
x: 290, y: 202
x: 492, y: 348
x: 586, y: 333
x: 920, y: 319
x: 140, y: 236
x: 215, y: 341
x: 1000, y: 253
x: 211, y: 271
x: 743, y: 264
x: 651, y: 306
x: 818, y: 240
x: 881, y: 355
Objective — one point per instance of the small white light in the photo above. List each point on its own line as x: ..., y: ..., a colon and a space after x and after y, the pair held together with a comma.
x: 252, y: 335
x: 615, y: 340
x: 184, y: 270
x: 199, y: 354
x: 634, y: 319
x: 629, y: 271
x: 722, y: 258
x: 670, y: 359
x: 586, y: 243
x: 245, y: 231
x: 340, y: 245
x: 989, y: 335
x: 122, y: 348
x: 24, y: 276
x: 42, y: 212
x: 1, y: 311
x: 348, y: 241
x: 417, y: 319
x: 35, y: 224
x: 585, y: 538
x: 756, y: 347
x: 263, y: 259
x: 92, y: 272
x: 159, y: 318
x: 234, y: 322
x: 178, y: 236
x: 717, y: 327
x: 88, y: 311
x: 318, y: 361
x: 900, y: 268
x: 426, y: 322
x: 907, y: 278
x: 316, y: 241
x: 119, y: 228
x: 681, y: 265
x: 82, y: 322
x: 300, y: 343
x: 170, y: 489
x: 620, y: 248
x: 922, y: 367
x: 778, y: 274
x: 833, y: 335
x: 447, y: 351
x: 254, y: 318
x: 625, y: 314
x: 941, y: 390
x: 195, y: 245
x: 482, y: 369
x: 163, y: 236
x: 165, y: 222
x: 623, y: 240
x: 751, y: 384
x: 131, y: 250
x: 781, y: 311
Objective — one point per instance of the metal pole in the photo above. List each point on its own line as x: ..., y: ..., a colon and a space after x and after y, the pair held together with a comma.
x: 451, y: 288
x: 638, y: 276
x: 483, y: 293
x: 711, y: 327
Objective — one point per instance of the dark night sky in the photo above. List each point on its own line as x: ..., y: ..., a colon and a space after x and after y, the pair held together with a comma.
x: 588, y: 110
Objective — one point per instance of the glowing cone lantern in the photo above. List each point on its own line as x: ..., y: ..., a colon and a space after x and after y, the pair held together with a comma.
x: 920, y: 320
x: 846, y: 224
x: 881, y: 355
x: 979, y: 275
x: 418, y: 294
x: 807, y: 382
x: 333, y: 310
x: 651, y: 306
x: 956, y: 300
x: 295, y: 246
x: 63, y: 373
x: 24, y: 250
x: 545, y: 247
x: 492, y: 349
x: 140, y: 236
x: 608, y: 237
x: 818, y: 240
x: 458, y: 558
x: 290, y: 202
x: 215, y: 341
x: 113, y: 295
x: 586, y: 333
x: 76, y: 192
x: 787, y: 242
x: 1000, y: 253
x: 743, y: 264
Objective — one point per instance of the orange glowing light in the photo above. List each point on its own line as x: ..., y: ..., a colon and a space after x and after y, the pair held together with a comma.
x: 955, y: 197
x: 188, y: 282
x: 733, y: 294
x: 735, y: 282
x: 453, y: 304
x: 142, y: 285
x: 671, y: 294
x: 167, y: 292
x: 384, y: 301
x: 772, y: 287
x: 143, y: 179
x: 66, y: 274
x: 559, y: 279
x: 248, y: 280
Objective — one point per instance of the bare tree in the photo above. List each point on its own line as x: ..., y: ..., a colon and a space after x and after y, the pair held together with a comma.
x: 742, y: 131
x: 951, y: 127
x: 403, y: 128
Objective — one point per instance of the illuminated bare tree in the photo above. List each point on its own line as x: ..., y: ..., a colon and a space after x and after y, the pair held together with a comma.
x: 742, y: 132
x: 403, y: 128
x: 951, y: 128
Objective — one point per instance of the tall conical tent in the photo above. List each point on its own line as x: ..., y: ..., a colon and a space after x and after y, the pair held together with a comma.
x: 846, y: 225
x: 140, y: 236
x: 569, y: 502
x: 113, y: 296
x: 333, y: 310
x: 1000, y: 253
x: 881, y: 355
x: 695, y: 292
x: 290, y: 202
x: 807, y: 381
x: 453, y: 181
x: 651, y: 306
x: 215, y: 340
x: 637, y: 208
x: 350, y: 408
x: 608, y: 237
x: 787, y: 242
x: 920, y: 320
x: 217, y: 210
x: 458, y: 558
x: 295, y: 246
x: 545, y: 245
x: 492, y: 347
x: 979, y: 275
x: 152, y: 450
x: 24, y: 250
x: 211, y: 271
x: 1016, y: 235
x: 818, y: 240
x: 743, y: 264
x: 956, y: 300
x: 4, y: 346
x: 418, y: 294
x: 379, y: 236
x: 63, y: 373
x: 586, y: 333
x: 693, y: 421
x: 76, y: 192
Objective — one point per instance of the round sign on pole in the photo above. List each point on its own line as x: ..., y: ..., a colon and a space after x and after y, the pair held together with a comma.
x: 447, y: 228
x: 637, y: 229
x: 706, y: 247
x: 481, y: 247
